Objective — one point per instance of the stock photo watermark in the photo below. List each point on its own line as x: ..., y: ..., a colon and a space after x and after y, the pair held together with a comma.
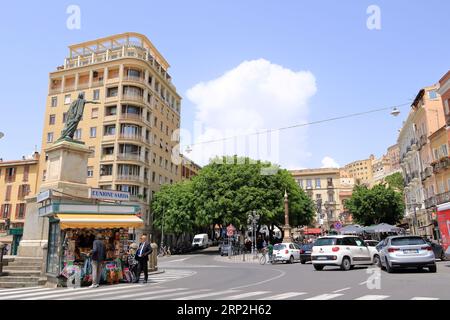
x: 374, y: 19
x: 73, y: 21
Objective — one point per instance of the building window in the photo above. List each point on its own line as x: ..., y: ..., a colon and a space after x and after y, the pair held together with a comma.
x: 90, y: 172
x: 6, y: 211
x: 54, y: 102
x: 153, y: 176
x: 67, y: 99
x: 308, y: 183
x: 49, y: 137
x: 330, y: 197
x: 94, y: 113
x: 110, y: 130
x: 112, y: 92
x: 154, y: 158
x: 161, y: 162
x: 111, y: 111
x: 77, y: 135
x: 432, y: 94
x: 96, y: 95
x: 64, y: 117
x: 160, y: 179
x: 318, y: 185
x: 444, y: 150
x: 93, y: 132
x: 20, y: 211
x: 51, y: 120
x: 8, y: 193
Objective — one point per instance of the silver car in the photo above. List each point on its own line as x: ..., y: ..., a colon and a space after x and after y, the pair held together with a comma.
x: 405, y: 252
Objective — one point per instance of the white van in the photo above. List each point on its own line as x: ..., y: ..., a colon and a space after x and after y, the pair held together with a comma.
x: 200, y: 241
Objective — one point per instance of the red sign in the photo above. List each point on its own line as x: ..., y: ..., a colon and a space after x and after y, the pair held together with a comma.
x: 230, y: 230
x: 443, y: 218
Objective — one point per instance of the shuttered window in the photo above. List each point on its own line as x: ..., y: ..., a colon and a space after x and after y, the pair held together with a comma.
x: 26, y: 171
x: 8, y: 193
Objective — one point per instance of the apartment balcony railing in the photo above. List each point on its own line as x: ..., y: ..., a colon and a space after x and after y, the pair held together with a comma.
x: 82, y: 86
x: 443, y: 198
x: 127, y: 177
x: 105, y: 178
x: 430, y: 202
x: 132, y: 116
x: 330, y: 186
x: 69, y: 88
x: 135, y: 79
x: 97, y: 83
x: 55, y: 90
x: 440, y: 165
x: 129, y: 156
x: 107, y: 157
x: 133, y: 97
x: 109, y: 137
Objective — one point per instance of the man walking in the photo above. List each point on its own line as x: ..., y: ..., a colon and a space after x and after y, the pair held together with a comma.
x: 98, y: 256
x: 142, y: 254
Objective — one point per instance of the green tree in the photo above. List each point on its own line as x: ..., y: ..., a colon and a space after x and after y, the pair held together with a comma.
x: 395, y: 181
x: 173, y: 208
x: 376, y: 205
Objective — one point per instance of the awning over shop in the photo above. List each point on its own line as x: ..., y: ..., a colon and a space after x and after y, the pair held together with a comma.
x: 313, y: 231
x: 99, y: 221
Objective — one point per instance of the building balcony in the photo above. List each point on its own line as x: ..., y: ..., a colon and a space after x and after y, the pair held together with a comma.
x: 110, y: 118
x: 107, y: 157
x: 330, y: 186
x: 133, y: 137
x: 111, y: 99
x: 127, y: 177
x: 133, y: 97
x: 443, y: 198
x: 134, y: 79
x: 55, y: 91
x: 109, y: 138
x: 105, y: 178
x: 430, y: 202
x: 132, y: 116
x: 69, y: 88
x: 82, y: 86
x: 129, y: 157
x: 98, y: 83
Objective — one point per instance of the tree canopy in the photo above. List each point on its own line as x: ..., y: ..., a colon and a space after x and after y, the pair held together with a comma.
x: 373, y: 206
x: 226, y: 190
x: 395, y: 181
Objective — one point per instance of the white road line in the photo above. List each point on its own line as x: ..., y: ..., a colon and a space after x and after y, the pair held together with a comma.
x: 363, y: 283
x: 424, y: 298
x: 170, y: 296
x: 341, y: 290
x: 68, y: 292
x: 372, y: 297
x: 326, y: 296
x: 93, y: 295
x: 282, y: 274
x: 245, y: 295
x: 147, y: 294
x: 199, y: 296
x: 283, y: 296
x: 17, y: 291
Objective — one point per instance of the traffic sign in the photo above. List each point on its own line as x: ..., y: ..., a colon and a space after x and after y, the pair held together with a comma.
x: 230, y: 230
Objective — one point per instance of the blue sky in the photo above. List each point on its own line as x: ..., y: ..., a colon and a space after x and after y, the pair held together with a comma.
x: 355, y: 68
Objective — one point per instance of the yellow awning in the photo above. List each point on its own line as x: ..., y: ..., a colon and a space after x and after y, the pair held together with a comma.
x: 99, y: 221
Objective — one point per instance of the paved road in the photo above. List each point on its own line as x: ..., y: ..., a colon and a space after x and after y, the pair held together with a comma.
x: 206, y: 276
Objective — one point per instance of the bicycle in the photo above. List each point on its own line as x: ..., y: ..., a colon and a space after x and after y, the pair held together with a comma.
x: 263, y: 259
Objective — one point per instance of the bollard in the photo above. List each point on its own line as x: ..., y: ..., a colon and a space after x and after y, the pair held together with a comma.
x: 2, y: 246
x: 153, y: 265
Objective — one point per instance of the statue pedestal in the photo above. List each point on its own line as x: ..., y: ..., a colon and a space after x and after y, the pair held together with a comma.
x: 287, y: 233
x: 66, y: 173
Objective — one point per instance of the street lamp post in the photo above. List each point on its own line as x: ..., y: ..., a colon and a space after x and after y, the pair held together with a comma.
x: 253, y: 219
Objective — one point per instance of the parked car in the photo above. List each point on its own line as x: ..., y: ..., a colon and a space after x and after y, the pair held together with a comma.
x: 200, y: 241
x: 343, y: 251
x: 406, y: 251
x: 305, y: 253
x: 286, y: 252
x: 438, y: 250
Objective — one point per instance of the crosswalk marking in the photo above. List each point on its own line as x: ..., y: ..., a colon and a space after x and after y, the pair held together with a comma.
x: 245, y: 295
x: 94, y: 294
x: 56, y: 293
x: 12, y: 292
x: 169, y: 296
x: 207, y: 295
x: 327, y: 296
x: 152, y: 294
x: 372, y: 297
x: 283, y: 296
x: 424, y: 298
x: 18, y: 289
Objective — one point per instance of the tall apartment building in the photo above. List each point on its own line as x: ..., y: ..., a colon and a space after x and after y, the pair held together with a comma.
x: 130, y: 131
x: 361, y: 170
x: 322, y: 186
x: 18, y: 179
x: 425, y: 118
x: 386, y: 165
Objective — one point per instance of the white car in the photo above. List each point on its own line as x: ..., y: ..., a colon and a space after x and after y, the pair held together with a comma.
x: 286, y: 252
x: 342, y: 251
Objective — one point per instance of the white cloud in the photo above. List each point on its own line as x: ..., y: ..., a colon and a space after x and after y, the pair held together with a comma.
x: 256, y: 95
x: 329, y: 162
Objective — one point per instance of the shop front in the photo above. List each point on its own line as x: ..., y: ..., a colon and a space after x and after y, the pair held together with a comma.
x: 71, y: 237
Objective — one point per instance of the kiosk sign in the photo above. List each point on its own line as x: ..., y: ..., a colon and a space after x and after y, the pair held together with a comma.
x: 101, y: 194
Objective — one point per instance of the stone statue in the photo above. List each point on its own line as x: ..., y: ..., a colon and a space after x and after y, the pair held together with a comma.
x: 74, y: 116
